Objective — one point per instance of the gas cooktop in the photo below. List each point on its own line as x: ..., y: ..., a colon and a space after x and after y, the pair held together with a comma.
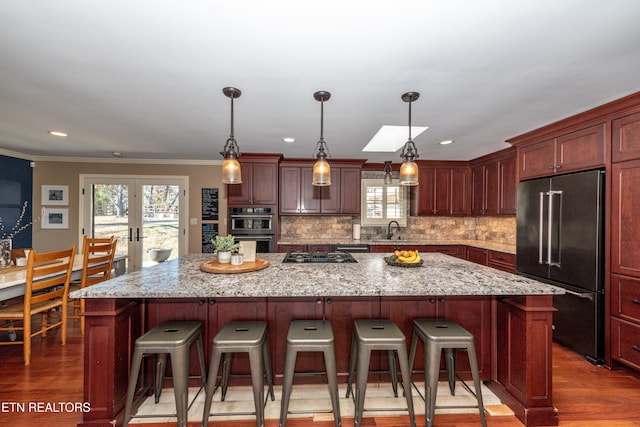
x: 319, y: 257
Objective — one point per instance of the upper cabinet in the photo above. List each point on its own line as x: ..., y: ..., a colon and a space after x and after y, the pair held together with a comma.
x: 443, y: 189
x: 259, y: 181
x: 580, y: 150
x: 625, y: 139
x: 493, y: 183
x: 299, y: 197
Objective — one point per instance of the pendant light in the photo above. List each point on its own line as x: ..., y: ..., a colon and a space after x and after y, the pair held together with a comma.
x: 409, y: 169
x: 231, y: 173
x: 321, y: 168
x: 388, y: 178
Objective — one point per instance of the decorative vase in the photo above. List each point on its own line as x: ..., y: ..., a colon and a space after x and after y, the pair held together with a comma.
x: 236, y: 259
x: 5, y: 253
x: 224, y: 257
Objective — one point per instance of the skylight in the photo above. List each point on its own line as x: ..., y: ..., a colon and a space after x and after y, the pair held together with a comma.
x: 391, y: 138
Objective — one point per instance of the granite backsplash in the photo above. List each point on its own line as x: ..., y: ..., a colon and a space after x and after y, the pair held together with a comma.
x: 492, y: 229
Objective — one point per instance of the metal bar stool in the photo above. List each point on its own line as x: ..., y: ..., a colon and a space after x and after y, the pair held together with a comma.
x: 241, y: 337
x: 377, y: 334
x: 440, y: 335
x: 310, y: 335
x: 169, y: 338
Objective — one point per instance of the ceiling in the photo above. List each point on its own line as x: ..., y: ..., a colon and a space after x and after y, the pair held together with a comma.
x: 145, y: 77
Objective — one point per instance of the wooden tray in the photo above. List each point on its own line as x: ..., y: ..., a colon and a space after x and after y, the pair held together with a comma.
x: 214, y: 266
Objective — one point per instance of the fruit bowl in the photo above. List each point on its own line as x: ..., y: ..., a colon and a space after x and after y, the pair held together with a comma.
x: 389, y: 260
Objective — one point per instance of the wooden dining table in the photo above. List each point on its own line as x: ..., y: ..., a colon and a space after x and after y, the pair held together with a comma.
x: 12, y: 279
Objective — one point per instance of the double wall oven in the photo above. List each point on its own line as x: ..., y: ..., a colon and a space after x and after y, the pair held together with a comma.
x: 254, y: 224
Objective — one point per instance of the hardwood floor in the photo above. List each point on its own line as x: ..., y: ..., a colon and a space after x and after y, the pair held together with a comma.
x: 585, y: 395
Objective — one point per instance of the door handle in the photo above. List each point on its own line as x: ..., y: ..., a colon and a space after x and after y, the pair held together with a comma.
x: 550, y: 228
x: 137, y: 234
x: 130, y: 234
x: 541, y: 236
x: 580, y: 295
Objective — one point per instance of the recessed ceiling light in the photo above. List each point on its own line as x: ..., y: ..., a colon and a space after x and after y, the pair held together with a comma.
x: 391, y: 138
x: 446, y: 142
x: 57, y: 133
x: 116, y: 154
x: 289, y: 139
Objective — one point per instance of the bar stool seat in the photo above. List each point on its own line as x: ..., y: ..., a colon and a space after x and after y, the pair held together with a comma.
x: 241, y: 337
x: 169, y: 338
x: 440, y: 335
x: 315, y: 336
x: 377, y: 334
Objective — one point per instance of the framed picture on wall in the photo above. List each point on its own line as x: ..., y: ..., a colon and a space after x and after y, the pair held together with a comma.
x: 55, y: 218
x: 55, y: 195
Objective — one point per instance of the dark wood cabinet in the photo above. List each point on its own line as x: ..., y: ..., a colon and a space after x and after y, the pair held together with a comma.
x: 625, y: 320
x: 312, y: 247
x: 287, y: 247
x: 625, y: 227
x: 580, y: 150
x: 493, y: 183
x: 625, y: 139
x: 443, y: 189
x: 477, y: 255
x: 299, y: 197
x: 259, y: 181
x: 502, y: 261
x: 452, y: 250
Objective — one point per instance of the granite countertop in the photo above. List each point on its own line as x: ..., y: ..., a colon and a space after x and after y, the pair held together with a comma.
x: 370, y: 276
x: 502, y: 247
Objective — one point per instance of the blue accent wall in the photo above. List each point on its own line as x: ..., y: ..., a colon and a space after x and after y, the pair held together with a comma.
x: 16, y: 187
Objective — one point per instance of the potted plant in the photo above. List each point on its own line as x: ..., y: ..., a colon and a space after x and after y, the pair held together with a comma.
x: 224, y: 246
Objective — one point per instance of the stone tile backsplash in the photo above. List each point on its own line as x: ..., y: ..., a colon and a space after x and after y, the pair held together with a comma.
x: 492, y: 229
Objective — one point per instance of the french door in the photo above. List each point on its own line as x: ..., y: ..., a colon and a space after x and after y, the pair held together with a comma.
x: 144, y: 213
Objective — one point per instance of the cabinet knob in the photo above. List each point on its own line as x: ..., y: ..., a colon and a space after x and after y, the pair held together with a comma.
x: 212, y: 301
x: 441, y: 300
x: 432, y: 300
x: 201, y: 302
x: 558, y: 166
x: 329, y: 301
x: 552, y: 167
x: 318, y: 301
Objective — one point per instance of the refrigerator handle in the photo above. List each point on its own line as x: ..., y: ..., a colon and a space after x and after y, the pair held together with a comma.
x: 588, y: 296
x: 540, y: 237
x: 550, y: 229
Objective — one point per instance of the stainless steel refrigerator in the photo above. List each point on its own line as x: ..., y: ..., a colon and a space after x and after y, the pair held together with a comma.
x: 560, y: 241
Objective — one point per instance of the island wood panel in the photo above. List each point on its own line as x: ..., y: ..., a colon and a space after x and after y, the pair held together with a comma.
x: 281, y: 312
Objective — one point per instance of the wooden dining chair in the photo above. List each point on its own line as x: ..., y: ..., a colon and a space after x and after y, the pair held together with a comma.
x: 97, y: 264
x: 46, y: 289
x: 18, y: 253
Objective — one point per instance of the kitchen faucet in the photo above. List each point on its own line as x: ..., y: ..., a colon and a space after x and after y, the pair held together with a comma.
x: 389, y: 232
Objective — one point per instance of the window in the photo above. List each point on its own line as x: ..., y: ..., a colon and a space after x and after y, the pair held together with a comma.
x: 383, y: 203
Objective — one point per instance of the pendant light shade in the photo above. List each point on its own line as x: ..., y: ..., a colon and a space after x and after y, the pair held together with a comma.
x: 409, y: 168
x: 388, y: 178
x: 231, y: 172
x: 321, y: 168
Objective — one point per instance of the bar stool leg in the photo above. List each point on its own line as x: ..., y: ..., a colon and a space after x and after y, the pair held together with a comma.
x: 266, y: 355
x: 473, y: 362
x: 160, y: 369
x: 431, y: 369
x: 353, y: 356
x: 131, y: 389
x: 393, y: 371
x: 180, y: 366
x: 203, y: 368
x: 450, y: 363
x: 287, y: 383
x: 332, y: 379
x: 413, y: 348
x: 362, y: 371
x: 257, y: 380
x: 214, y: 365
x: 226, y: 371
x: 405, y: 370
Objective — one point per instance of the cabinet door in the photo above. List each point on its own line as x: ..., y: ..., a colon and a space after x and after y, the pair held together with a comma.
x: 625, y: 227
x: 477, y: 255
x: 329, y: 196
x: 350, y: 191
x: 442, y: 191
x: 581, y: 150
x: 507, y: 187
x: 477, y: 190
x: 423, y: 196
x: 625, y: 140
x: 294, y: 247
x: 281, y: 312
x: 502, y: 261
x: 309, y: 198
x: 289, y: 190
x: 460, y: 191
x: 264, y: 180
x: 241, y: 194
x: 341, y: 312
x: 537, y: 159
x: 625, y: 298
x: 473, y: 314
x: 491, y: 192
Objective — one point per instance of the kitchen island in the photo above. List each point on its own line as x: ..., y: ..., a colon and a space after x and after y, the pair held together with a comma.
x: 510, y: 317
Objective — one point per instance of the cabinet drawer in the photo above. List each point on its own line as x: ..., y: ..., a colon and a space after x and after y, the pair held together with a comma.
x: 453, y: 250
x: 625, y: 298
x: 502, y: 261
x: 625, y: 342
